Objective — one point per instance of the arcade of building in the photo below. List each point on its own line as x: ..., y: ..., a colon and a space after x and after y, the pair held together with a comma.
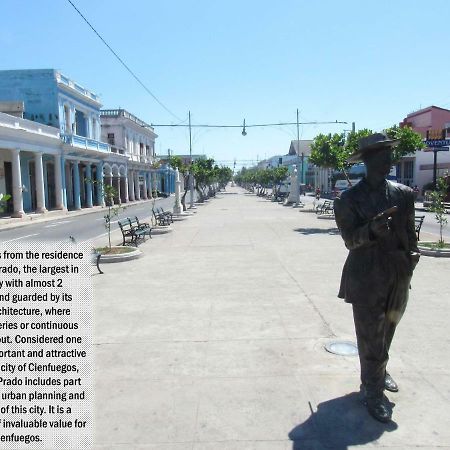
x: 58, y: 148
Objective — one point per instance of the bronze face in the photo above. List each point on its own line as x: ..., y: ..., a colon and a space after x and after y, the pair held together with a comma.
x: 378, y: 163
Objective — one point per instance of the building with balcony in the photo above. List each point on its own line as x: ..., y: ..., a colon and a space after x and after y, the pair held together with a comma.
x: 131, y: 137
x: 51, y: 152
x: 433, y: 123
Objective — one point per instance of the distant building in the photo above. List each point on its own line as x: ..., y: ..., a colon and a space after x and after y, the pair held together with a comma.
x: 130, y: 136
x: 298, y: 155
x: 51, y: 148
x: 433, y: 123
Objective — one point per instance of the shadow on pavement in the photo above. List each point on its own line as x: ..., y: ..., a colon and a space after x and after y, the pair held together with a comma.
x: 338, y: 424
x: 317, y: 230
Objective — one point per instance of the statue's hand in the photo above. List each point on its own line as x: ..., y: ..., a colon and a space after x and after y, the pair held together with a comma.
x: 414, y: 256
x: 380, y: 226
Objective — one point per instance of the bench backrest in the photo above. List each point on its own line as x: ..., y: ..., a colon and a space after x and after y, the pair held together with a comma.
x: 124, y: 223
x: 418, y: 221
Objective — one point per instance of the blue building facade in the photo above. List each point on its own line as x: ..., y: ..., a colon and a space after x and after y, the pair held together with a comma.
x: 58, y: 169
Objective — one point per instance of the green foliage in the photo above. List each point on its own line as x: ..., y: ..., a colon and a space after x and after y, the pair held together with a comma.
x: 262, y: 177
x: 224, y: 175
x: 437, y: 206
x: 333, y: 150
x: 176, y: 161
x: 108, y: 193
x: 327, y: 149
x: 3, y: 200
x: 410, y: 141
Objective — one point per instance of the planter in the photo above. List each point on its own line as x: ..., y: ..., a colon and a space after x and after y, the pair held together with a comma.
x: 119, y: 254
x: 426, y: 249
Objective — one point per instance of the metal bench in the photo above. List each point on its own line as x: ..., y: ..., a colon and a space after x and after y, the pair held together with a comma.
x: 95, y: 258
x: 143, y: 226
x: 167, y: 214
x: 327, y: 207
x: 160, y: 219
x: 130, y: 231
x: 418, y: 221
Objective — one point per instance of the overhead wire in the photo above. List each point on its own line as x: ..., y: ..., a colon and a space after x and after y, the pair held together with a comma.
x: 124, y: 64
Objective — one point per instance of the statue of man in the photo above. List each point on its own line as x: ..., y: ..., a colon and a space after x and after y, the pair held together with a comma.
x: 376, y: 221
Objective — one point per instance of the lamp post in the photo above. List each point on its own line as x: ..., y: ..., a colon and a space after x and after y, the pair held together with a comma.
x: 191, y: 175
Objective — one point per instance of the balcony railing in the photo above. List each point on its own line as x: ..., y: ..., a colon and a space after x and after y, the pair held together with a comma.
x: 86, y: 143
x: 68, y: 82
x: 126, y: 114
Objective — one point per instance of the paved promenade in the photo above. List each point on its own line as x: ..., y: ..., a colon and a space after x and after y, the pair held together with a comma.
x: 214, y: 340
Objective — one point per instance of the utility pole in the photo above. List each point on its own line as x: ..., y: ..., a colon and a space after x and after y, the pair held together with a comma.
x: 191, y: 176
x: 190, y: 138
x: 298, y: 146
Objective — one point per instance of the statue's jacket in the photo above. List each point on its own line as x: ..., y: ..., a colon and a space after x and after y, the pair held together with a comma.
x: 374, y: 265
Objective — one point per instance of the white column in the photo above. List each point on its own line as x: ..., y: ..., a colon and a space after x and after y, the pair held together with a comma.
x: 58, y: 183
x: 126, y: 188
x: 145, y: 186
x: 131, y: 186
x: 150, y: 186
x: 40, y: 192
x: 17, y: 184
x: 137, y: 193
x: 88, y: 186
x: 119, y: 198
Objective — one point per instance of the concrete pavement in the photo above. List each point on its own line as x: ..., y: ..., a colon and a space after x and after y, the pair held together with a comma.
x: 214, y: 340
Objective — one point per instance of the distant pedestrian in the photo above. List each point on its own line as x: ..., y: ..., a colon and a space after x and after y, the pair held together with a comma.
x: 318, y: 193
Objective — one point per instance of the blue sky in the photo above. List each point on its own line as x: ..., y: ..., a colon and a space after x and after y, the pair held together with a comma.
x: 371, y: 62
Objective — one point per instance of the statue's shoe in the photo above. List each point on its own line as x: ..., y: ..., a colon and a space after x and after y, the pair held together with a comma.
x: 379, y: 409
x: 390, y: 384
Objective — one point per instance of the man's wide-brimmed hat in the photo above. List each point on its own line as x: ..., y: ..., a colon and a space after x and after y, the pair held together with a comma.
x: 371, y: 143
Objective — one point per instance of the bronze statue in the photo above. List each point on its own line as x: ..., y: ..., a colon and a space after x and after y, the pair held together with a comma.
x: 376, y: 221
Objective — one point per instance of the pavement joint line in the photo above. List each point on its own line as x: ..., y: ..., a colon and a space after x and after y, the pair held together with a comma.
x: 309, y: 299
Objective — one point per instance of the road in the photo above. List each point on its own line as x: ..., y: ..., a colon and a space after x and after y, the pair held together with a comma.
x: 92, y: 226
x: 83, y: 227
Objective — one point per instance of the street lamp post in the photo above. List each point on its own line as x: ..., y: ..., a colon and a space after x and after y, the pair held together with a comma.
x: 191, y: 175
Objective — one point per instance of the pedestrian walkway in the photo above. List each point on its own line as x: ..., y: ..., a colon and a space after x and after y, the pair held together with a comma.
x: 214, y: 340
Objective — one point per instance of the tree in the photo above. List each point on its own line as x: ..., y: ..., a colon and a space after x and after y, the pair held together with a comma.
x: 224, y: 176
x: 410, y: 141
x: 3, y: 201
x: 438, y: 206
x: 278, y: 175
x: 203, y: 171
x: 333, y: 150
x: 108, y: 193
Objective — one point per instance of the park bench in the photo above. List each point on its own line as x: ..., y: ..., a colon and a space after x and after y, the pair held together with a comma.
x: 160, y: 219
x: 95, y: 259
x: 130, y: 231
x: 281, y: 196
x: 143, y: 226
x: 418, y: 221
x: 327, y: 207
x: 167, y: 214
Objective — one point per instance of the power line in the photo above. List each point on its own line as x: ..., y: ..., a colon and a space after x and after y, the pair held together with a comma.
x: 124, y: 64
x: 248, y: 126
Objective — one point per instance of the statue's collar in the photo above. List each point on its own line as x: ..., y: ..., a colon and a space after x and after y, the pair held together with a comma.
x: 382, y: 187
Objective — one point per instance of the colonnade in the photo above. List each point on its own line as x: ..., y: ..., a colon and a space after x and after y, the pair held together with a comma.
x: 77, y: 183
